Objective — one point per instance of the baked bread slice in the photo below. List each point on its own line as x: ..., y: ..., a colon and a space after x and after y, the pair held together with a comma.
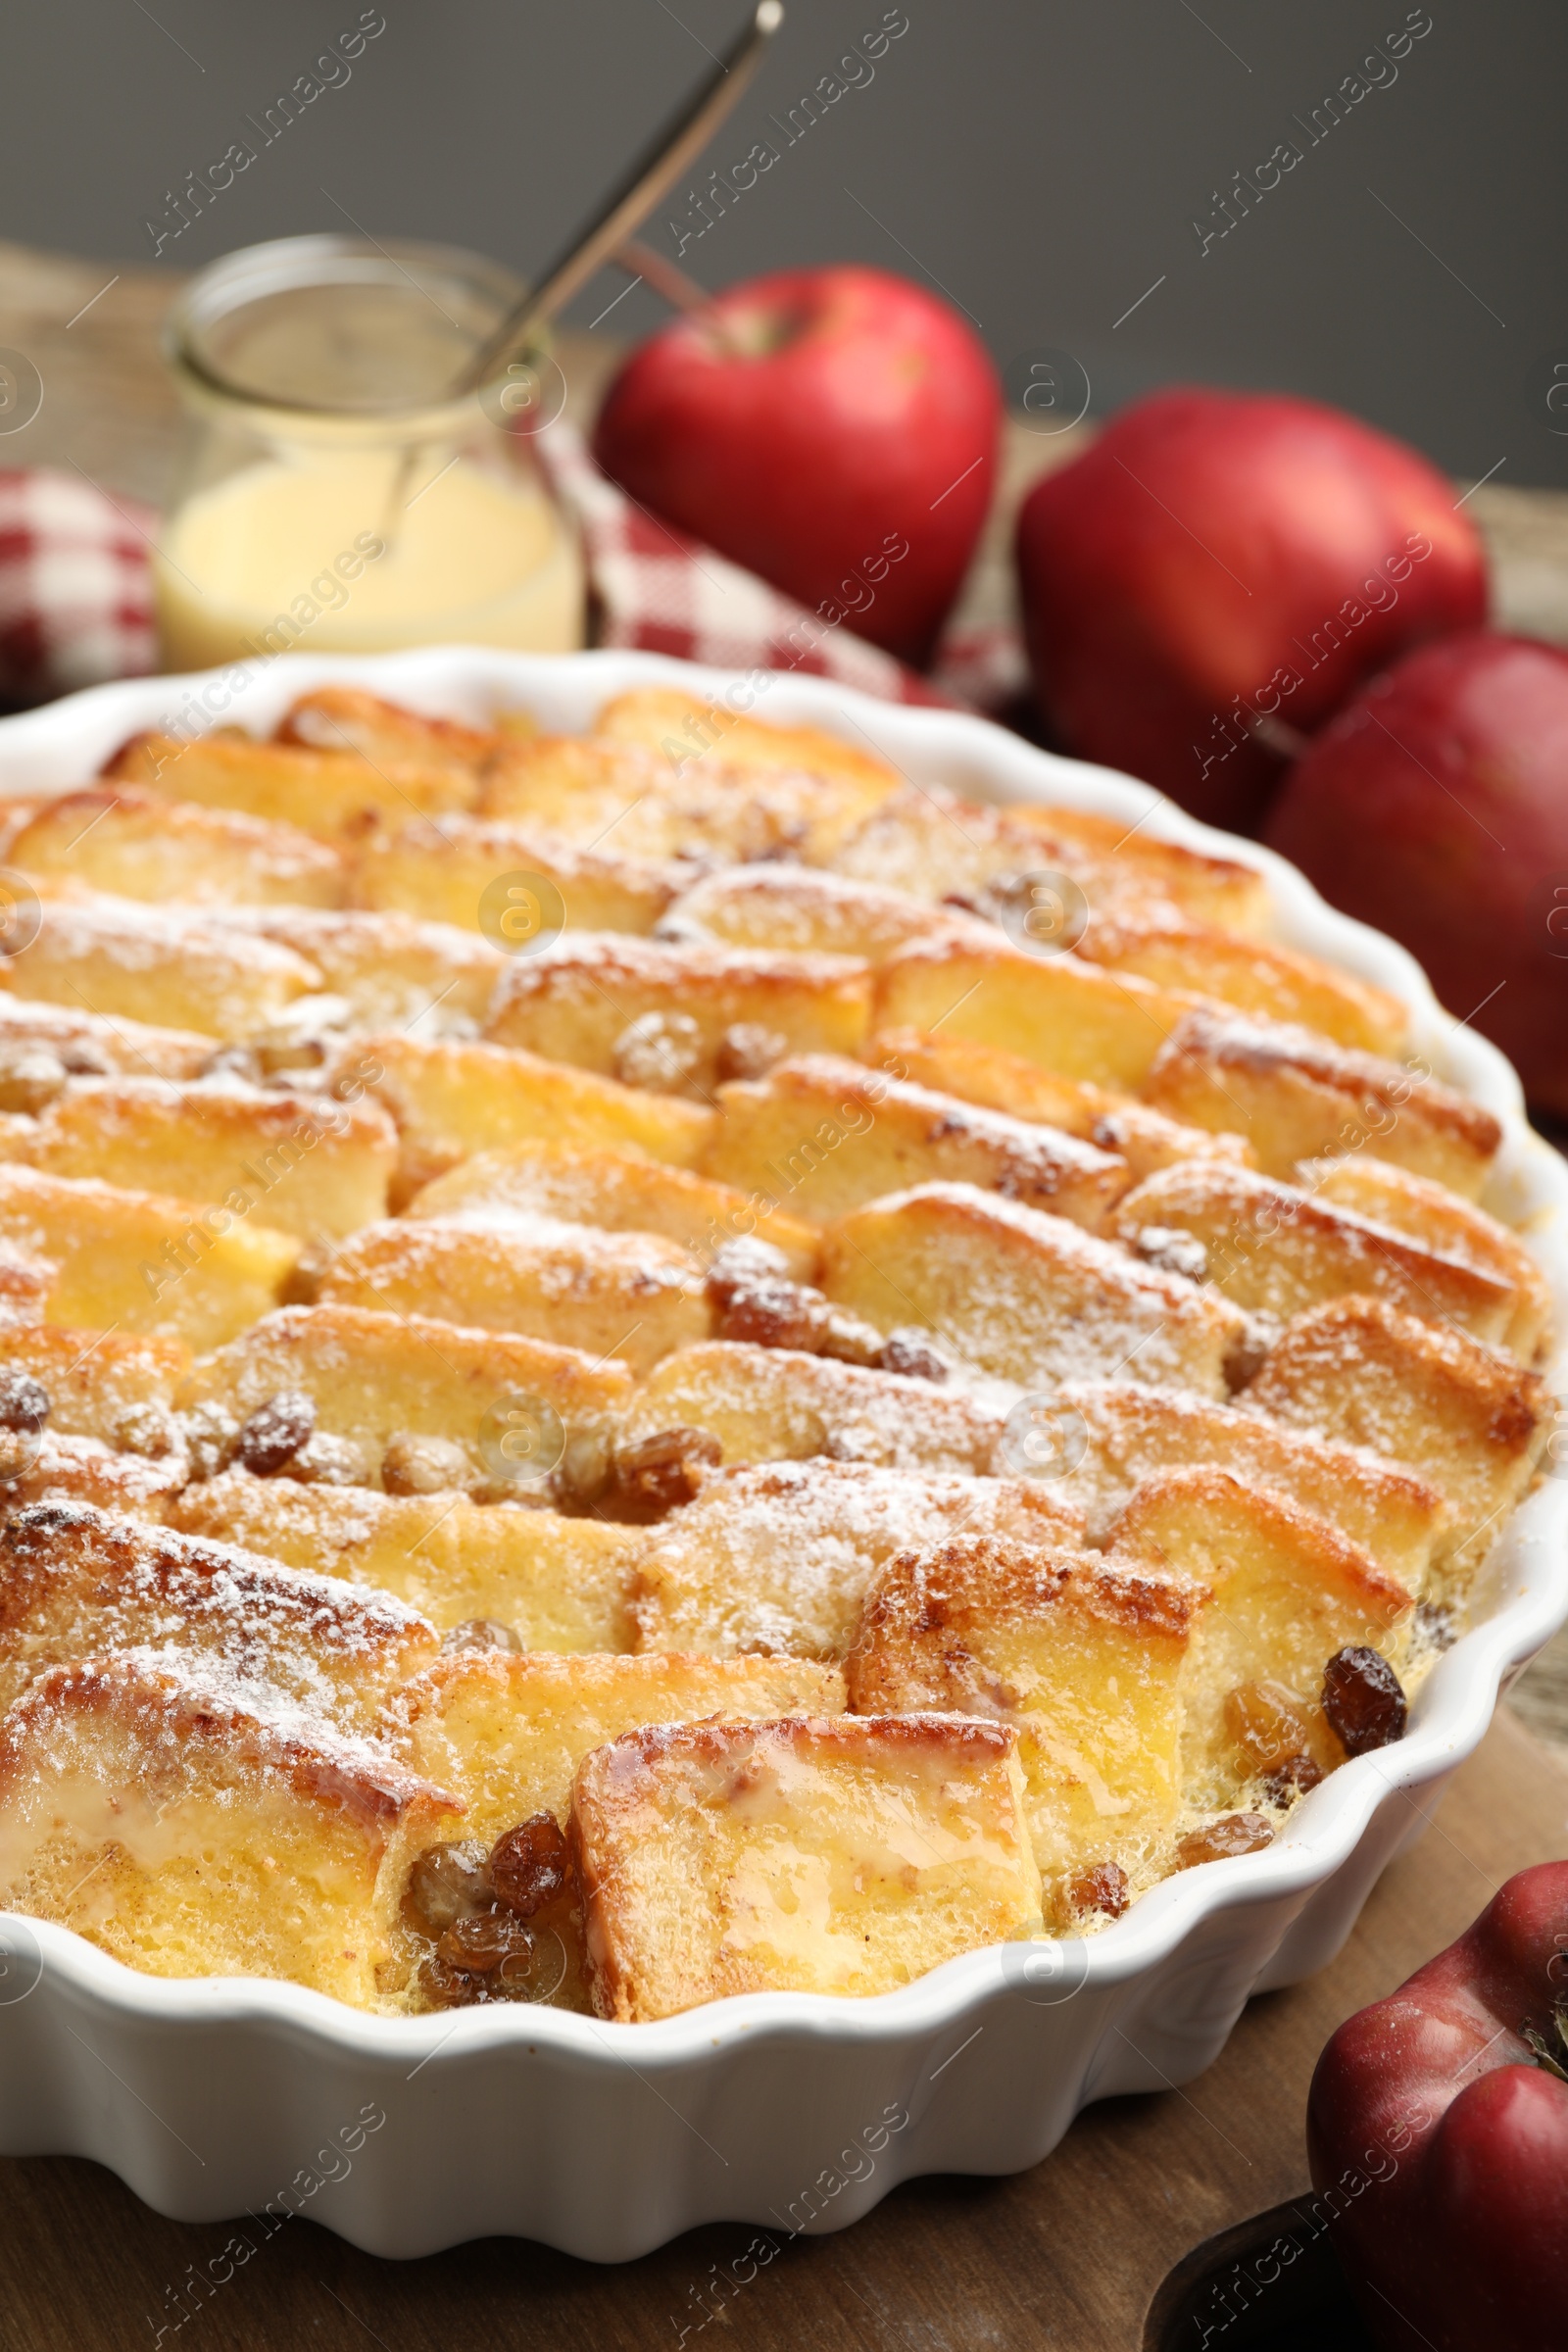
x: 829, y: 1134
x: 934, y: 846
x: 136, y: 845
x: 166, y: 1814
x: 1276, y: 1249
x: 844, y: 1855
x: 630, y: 1297
x: 449, y: 1099
x: 1298, y: 1096
x: 58, y: 1467
x: 507, y: 1731
x: 667, y: 1017
x: 118, y: 1385
x: 766, y: 1405
x: 1115, y: 1122
x: 306, y: 1164
x: 391, y: 970
x: 1440, y: 1221
x: 190, y: 1271
x: 340, y: 795
x: 1255, y: 976
x: 1287, y: 1591
x: 551, y: 1581
x: 57, y: 1042
x: 448, y: 873
x: 1070, y: 1017
x: 1466, y: 1417
x: 800, y: 910
x: 778, y: 1559
x: 1114, y: 1435
x: 172, y: 968
x: 1083, y: 1656
x: 1023, y: 1295
x: 619, y: 1193
x: 690, y: 734
x: 372, y: 1378
x: 345, y: 719
x: 594, y: 788
x: 75, y: 1583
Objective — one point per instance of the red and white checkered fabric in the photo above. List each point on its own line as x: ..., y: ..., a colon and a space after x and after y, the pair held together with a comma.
x: 75, y: 591
x: 75, y: 596
x: 662, y: 592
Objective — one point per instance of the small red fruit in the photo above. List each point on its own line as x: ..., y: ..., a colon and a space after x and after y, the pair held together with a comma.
x: 809, y: 425
x: 1216, y: 560
x: 1436, y: 807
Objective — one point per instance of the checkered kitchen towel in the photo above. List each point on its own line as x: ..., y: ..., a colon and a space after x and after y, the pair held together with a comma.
x: 75, y: 596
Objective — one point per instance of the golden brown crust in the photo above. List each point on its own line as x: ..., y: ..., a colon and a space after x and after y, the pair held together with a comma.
x: 1302, y: 1094
x: 1272, y: 1247
x: 72, y: 1580
x: 926, y: 1608
x: 899, y: 1134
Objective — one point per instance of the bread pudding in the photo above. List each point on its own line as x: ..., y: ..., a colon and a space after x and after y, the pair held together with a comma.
x: 630, y: 1378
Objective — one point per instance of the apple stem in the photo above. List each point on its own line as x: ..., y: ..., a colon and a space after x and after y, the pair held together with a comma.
x: 681, y: 292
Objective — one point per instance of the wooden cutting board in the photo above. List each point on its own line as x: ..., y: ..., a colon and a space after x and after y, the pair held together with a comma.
x: 1066, y: 2255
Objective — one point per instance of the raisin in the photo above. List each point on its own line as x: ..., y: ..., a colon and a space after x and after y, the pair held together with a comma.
x: 1172, y: 1252
x: 739, y: 1265
x: 1266, y: 1723
x: 659, y: 1474
x: 24, y: 1401
x: 904, y: 1350
x: 147, y: 1430
x: 1363, y: 1700
x: 414, y: 1465
x: 1217, y: 1841
x: 444, y: 1987
x: 747, y: 1050
x: 447, y: 1882
x: 847, y: 1340
x: 328, y: 1461
x: 575, y: 1485
x: 1291, y: 1778
x: 770, y: 1314
x: 275, y: 1432
x: 762, y: 1307
x: 1436, y: 1624
x: 529, y: 1866
x: 1102, y: 1888
x: 483, y: 1940
x: 480, y: 1633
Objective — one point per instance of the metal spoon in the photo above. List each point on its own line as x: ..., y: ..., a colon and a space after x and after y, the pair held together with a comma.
x: 661, y: 162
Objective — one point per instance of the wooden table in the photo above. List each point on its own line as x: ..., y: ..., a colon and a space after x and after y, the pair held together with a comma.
x: 1068, y: 2254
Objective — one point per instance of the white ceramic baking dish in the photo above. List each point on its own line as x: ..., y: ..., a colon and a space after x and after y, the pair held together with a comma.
x: 790, y: 2111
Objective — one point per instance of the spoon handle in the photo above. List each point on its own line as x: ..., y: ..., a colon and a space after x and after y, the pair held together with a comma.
x: 661, y: 162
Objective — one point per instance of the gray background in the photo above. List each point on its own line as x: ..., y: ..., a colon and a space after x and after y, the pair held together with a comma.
x: 1043, y: 163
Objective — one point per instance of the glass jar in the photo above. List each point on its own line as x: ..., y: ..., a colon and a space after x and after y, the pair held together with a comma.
x: 334, y: 496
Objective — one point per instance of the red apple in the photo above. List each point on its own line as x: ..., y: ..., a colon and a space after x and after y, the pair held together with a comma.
x: 1437, y: 807
x: 1215, y: 560
x: 811, y: 424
